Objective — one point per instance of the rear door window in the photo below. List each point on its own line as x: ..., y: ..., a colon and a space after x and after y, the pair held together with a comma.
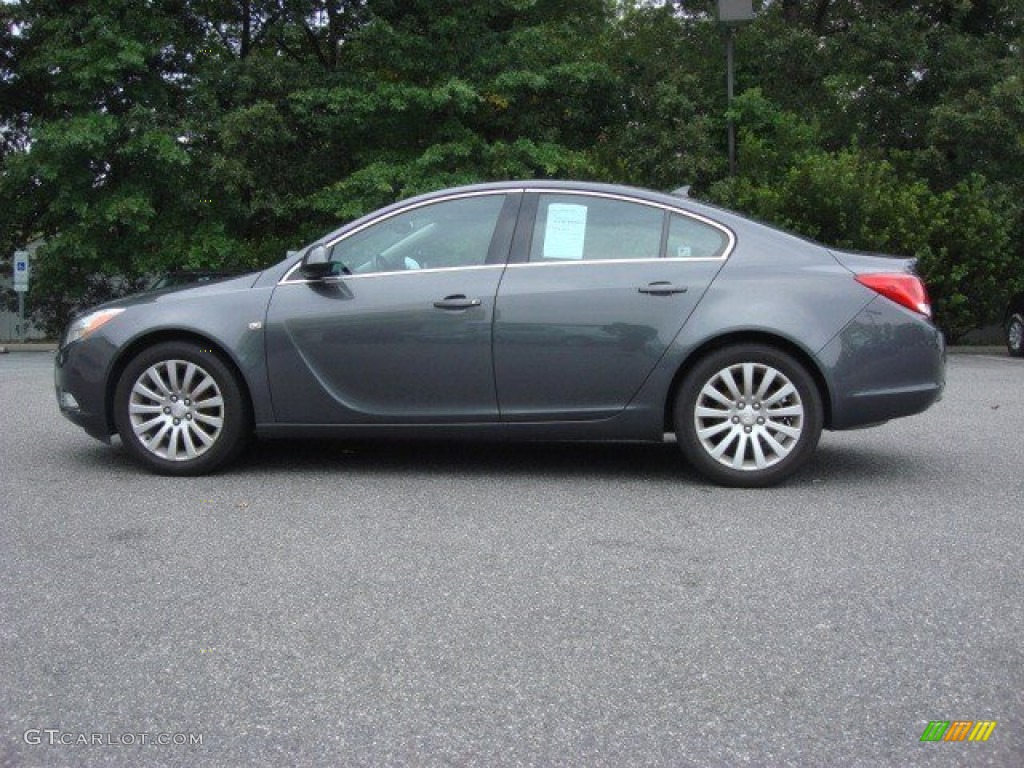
x: 580, y: 228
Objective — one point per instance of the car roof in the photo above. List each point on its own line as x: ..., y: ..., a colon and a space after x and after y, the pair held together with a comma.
x: 562, y: 186
x: 542, y: 185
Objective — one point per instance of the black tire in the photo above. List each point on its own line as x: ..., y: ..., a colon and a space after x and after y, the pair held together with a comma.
x: 1015, y: 335
x: 764, y: 429
x: 190, y: 413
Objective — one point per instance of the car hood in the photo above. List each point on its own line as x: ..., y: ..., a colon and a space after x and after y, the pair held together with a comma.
x: 182, y: 292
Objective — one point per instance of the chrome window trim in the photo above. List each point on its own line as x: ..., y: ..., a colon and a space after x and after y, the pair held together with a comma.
x: 346, y: 278
x: 596, y: 262
x: 404, y: 209
x: 726, y: 252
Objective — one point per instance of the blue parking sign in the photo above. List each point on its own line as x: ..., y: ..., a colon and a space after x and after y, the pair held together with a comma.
x: 21, y: 271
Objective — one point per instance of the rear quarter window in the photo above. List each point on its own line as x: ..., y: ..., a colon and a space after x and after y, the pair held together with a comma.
x: 692, y: 239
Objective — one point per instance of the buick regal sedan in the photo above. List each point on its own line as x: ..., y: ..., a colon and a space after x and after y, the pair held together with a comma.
x: 521, y: 311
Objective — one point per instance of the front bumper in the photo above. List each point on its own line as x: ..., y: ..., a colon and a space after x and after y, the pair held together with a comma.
x: 80, y: 376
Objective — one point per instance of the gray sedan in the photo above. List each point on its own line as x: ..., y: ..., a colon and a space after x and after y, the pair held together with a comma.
x: 519, y: 310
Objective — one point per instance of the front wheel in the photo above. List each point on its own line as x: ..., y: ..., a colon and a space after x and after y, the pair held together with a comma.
x: 748, y: 416
x: 179, y: 409
x: 1015, y: 335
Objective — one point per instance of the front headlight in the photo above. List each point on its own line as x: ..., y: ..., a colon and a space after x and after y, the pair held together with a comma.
x: 86, y: 324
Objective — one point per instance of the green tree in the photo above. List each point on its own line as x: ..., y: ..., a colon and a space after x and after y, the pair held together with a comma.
x: 456, y: 92
x: 855, y: 199
x: 669, y: 131
x: 101, y: 172
x: 217, y: 133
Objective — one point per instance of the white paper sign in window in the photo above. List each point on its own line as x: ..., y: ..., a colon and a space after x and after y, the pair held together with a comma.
x: 565, y: 231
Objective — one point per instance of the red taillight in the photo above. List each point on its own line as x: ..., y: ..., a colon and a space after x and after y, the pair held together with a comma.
x: 906, y: 290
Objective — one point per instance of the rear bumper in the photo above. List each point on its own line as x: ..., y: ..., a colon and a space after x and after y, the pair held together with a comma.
x: 887, y: 363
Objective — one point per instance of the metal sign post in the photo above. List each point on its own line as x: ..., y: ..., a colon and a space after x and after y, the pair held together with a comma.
x: 732, y: 13
x: 22, y: 271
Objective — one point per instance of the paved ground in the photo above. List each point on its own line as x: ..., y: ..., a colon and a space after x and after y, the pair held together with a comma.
x: 339, y: 604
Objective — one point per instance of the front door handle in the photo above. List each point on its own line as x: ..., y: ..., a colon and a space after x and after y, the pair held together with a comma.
x: 662, y: 288
x: 457, y: 301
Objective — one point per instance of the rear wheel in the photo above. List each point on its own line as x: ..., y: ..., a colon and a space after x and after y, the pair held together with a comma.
x: 180, y: 410
x: 1015, y: 335
x: 748, y: 416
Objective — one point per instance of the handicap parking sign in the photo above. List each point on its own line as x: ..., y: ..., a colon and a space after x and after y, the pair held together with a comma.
x: 21, y: 270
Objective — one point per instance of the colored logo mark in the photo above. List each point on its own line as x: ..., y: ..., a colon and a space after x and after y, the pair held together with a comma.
x: 958, y: 730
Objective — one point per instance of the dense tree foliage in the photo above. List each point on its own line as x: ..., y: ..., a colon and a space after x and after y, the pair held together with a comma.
x: 138, y: 136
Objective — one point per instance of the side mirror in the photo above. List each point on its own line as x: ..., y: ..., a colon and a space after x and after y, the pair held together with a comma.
x: 316, y: 264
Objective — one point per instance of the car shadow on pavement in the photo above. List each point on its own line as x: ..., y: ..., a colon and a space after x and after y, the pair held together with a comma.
x: 832, y: 464
x: 853, y: 465
x: 619, y: 460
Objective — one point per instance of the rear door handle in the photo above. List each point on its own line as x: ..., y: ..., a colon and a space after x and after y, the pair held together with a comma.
x: 662, y: 288
x: 457, y: 301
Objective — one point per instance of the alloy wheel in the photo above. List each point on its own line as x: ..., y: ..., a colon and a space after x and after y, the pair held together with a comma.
x: 749, y: 416
x: 176, y: 410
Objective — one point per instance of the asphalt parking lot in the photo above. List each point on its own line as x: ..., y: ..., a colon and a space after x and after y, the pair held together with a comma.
x: 418, y: 604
